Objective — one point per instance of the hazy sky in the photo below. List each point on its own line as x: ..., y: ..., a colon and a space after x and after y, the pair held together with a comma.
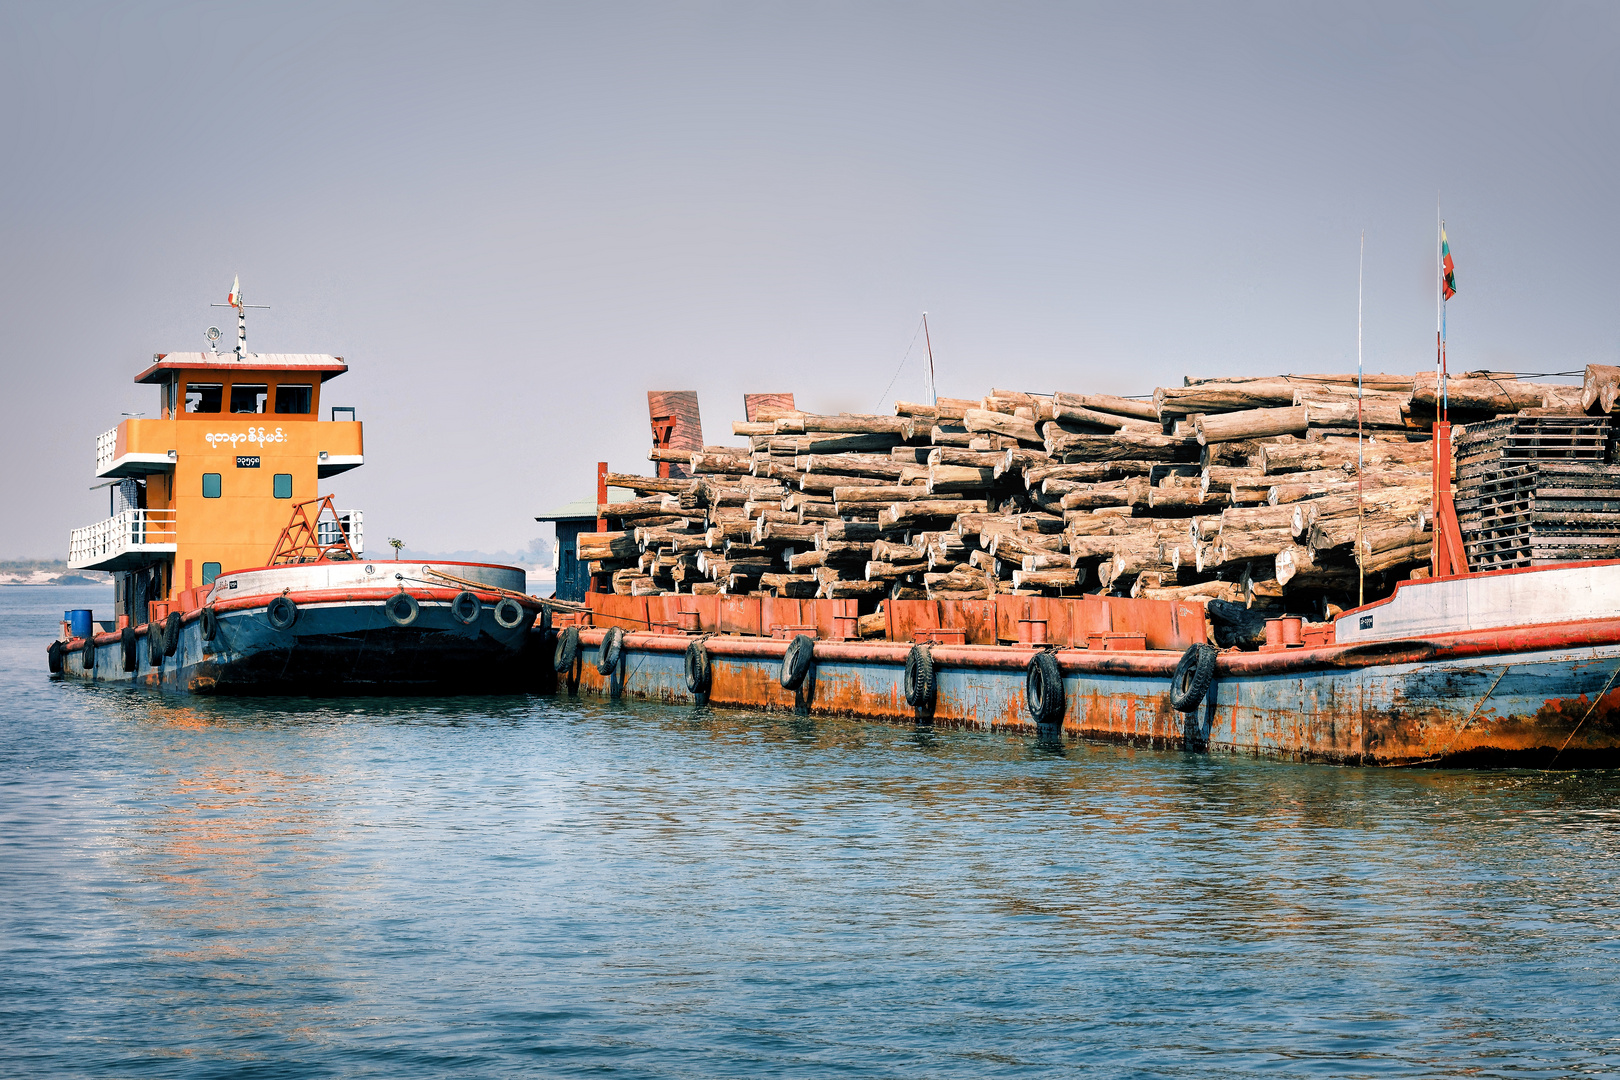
x: 514, y: 220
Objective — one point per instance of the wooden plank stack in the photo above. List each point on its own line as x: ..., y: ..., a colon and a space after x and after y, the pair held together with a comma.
x: 1536, y: 489
x: 1238, y: 489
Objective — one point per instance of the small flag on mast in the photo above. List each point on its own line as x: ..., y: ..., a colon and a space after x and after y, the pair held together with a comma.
x: 1448, y: 272
x: 235, y: 299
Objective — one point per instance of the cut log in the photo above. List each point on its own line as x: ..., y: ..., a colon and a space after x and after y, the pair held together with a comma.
x: 832, y: 483
x: 1074, y: 414
x: 606, y: 545
x: 797, y: 586
x: 848, y: 590
x: 846, y: 424
x: 885, y: 494
x: 1001, y: 424
x: 1107, y: 403
x: 1123, y: 446
x: 1293, y: 560
x: 647, y: 484
x: 1480, y: 393
x: 874, y: 466
x: 1203, y: 590
x: 1048, y: 579
x: 1300, y: 456
x: 888, y: 571
x: 959, y: 479
x: 1088, y: 472
x: 1600, y: 390
x: 1251, y: 424
x: 839, y: 530
x: 725, y: 464
x: 898, y: 512
x: 1173, y: 401
x: 1338, y: 412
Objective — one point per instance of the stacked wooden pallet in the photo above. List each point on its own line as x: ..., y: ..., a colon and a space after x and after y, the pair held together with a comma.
x: 1537, y: 489
x: 1249, y: 489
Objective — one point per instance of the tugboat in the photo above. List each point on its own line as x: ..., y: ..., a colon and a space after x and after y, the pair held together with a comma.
x: 233, y: 574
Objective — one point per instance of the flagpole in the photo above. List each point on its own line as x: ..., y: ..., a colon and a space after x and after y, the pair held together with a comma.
x: 1361, y: 275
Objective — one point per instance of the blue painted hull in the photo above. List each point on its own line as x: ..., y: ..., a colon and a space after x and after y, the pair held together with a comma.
x: 1522, y: 707
x: 339, y: 648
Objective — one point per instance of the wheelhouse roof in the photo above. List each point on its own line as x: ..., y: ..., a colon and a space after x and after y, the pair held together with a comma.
x: 327, y: 367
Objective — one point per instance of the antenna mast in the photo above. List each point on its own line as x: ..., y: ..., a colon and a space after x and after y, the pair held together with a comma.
x: 234, y: 300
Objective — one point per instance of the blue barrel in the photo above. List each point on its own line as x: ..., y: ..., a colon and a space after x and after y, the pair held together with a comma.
x: 81, y: 623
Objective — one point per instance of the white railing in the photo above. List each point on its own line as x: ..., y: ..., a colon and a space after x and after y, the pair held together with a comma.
x: 351, y: 522
x: 106, y: 446
x: 129, y: 533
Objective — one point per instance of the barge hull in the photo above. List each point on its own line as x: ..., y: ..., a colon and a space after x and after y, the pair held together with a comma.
x: 1454, y: 701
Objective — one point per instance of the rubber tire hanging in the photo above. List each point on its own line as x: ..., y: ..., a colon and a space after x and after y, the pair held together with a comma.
x: 154, y: 644
x: 919, y: 679
x: 282, y: 613
x: 567, y: 649
x: 1194, y: 673
x: 611, y: 651
x: 210, y: 624
x: 796, y: 661
x: 1043, y: 688
x: 509, y: 614
x: 465, y: 608
x: 699, y: 676
x: 53, y: 657
x: 402, y: 609
x: 171, y: 633
x: 126, y: 641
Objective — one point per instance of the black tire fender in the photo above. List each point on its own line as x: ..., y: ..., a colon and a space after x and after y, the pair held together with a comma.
x: 919, y: 679
x: 171, y: 633
x: 210, y: 624
x: 53, y: 657
x: 127, y: 643
x: 509, y: 614
x: 402, y: 609
x: 282, y: 613
x: 87, y: 655
x: 612, y: 650
x: 796, y: 661
x: 154, y: 644
x: 1194, y: 673
x: 699, y: 675
x: 1043, y: 689
x: 465, y: 608
x: 567, y: 649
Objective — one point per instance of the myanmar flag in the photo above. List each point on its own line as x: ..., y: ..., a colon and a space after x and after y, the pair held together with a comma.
x: 1448, y: 272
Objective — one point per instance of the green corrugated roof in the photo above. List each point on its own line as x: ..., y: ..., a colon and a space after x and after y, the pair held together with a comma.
x: 585, y: 508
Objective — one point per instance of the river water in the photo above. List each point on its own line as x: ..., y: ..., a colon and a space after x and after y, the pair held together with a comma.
x: 542, y: 887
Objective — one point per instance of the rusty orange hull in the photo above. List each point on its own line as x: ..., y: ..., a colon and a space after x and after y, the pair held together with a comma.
x: 1528, y: 695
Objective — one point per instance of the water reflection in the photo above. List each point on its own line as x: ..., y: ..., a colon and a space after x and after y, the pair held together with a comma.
x: 431, y: 887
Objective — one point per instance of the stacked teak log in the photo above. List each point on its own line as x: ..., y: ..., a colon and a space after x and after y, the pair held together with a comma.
x: 1238, y: 489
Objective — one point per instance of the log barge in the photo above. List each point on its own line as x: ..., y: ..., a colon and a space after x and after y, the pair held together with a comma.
x: 226, y: 477
x: 1270, y: 566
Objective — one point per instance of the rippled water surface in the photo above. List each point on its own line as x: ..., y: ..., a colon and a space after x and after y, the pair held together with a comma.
x: 537, y: 887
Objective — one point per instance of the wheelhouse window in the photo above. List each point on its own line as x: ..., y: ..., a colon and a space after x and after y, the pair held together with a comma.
x: 293, y: 399
x: 211, y: 485
x: 210, y: 572
x: 283, y: 485
x: 248, y: 397
x: 204, y: 397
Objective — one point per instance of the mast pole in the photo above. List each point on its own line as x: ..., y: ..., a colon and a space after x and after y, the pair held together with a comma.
x: 1361, y: 274
x: 933, y: 389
